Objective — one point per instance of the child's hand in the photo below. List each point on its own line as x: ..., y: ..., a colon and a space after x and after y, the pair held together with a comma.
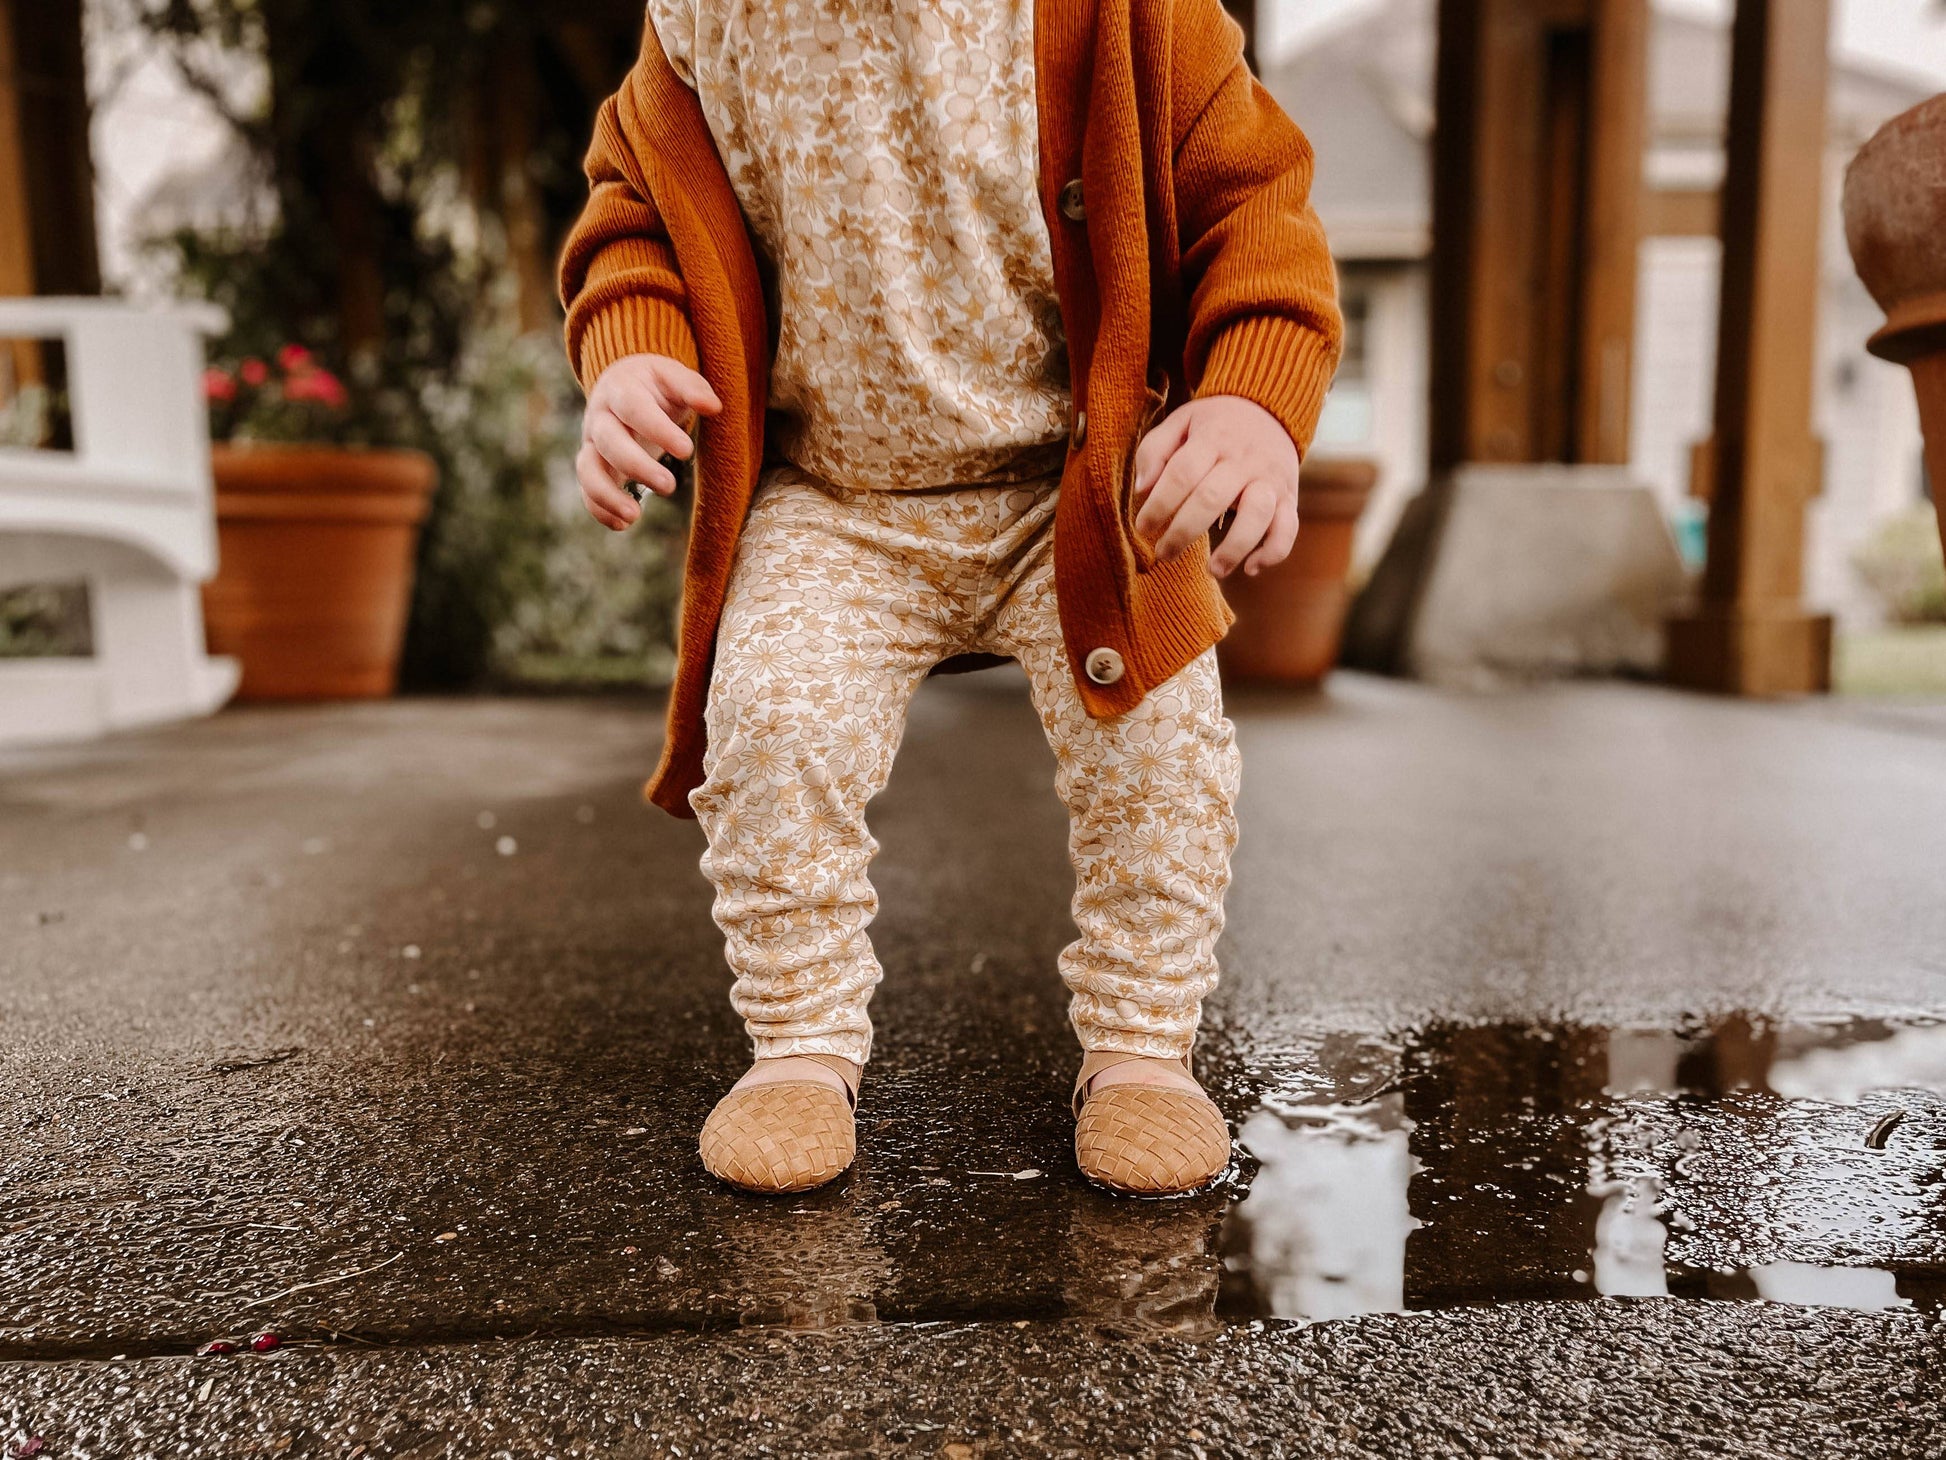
x: 1209, y: 457
x: 642, y: 404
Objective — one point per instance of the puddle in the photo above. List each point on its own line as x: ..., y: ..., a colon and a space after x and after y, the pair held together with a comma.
x: 1471, y: 1164
x: 1327, y: 1220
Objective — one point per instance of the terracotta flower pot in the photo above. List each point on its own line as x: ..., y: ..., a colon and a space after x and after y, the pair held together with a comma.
x: 316, y: 548
x: 1895, y: 222
x: 1290, y: 618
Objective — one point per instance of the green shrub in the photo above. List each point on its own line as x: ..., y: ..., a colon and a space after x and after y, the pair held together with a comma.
x: 43, y: 620
x: 1901, y: 563
x: 389, y: 152
x: 516, y: 578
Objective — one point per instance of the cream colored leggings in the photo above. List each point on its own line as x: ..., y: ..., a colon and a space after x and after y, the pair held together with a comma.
x: 839, y: 604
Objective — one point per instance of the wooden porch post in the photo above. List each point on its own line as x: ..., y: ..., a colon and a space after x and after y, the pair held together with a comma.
x: 16, y: 243
x: 47, y: 211
x: 1530, y: 551
x: 1536, y: 222
x: 1610, y: 225
x: 47, y: 208
x: 1750, y: 634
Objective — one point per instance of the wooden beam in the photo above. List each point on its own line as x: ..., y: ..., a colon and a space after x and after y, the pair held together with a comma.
x: 1566, y: 66
x: 1536, y: 227
x: 1750, y: 634
x: 20, y: 360
x: 47, y: 212
x: 1611, y: 228
x: 47, y: 215
x: 1486, y: 150
x: 1682, y: 213
x: 16, y: 241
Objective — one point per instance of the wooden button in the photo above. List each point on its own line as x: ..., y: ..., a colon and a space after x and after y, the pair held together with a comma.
x: 1078, y: 437
x: 1072, y: 206
x: 1104, y: 666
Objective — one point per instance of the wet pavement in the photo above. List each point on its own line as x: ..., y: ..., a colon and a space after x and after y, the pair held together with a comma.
x: 1579, y: 1042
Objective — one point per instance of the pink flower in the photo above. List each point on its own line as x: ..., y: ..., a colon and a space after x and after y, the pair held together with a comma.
x: 253, y: 371
x: 317, y: 385
x: 293, y: 359
x: 218, y: 386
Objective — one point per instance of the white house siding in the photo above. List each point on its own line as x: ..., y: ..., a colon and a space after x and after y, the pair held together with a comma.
x: 1675, y: 361
x: 1383, y: 417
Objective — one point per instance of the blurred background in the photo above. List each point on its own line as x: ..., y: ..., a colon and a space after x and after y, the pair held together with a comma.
x: 373, y: 194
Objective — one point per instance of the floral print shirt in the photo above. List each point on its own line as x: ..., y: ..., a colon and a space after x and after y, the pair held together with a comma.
x: 886, y: 156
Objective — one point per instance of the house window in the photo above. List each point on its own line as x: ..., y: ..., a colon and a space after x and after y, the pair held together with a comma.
x: 1348, y: 411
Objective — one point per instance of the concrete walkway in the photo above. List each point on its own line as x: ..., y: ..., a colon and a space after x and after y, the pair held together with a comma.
x: 388, y: 1029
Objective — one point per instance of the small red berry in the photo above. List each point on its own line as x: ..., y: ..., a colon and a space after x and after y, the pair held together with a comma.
x: 263, y: 1343
x: 218, y: 1346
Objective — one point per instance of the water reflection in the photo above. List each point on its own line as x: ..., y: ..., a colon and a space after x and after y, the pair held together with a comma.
x: 1326, y: 1221
x: 1142, y: 1268
x: 1630, y: 1239
x: 1512, y: 1162
x: 813, y: 1266
x: 1868, y: 1289
x: 1912, y: 1058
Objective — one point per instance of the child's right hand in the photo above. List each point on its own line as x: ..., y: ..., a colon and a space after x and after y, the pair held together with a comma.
x: 642, y: 404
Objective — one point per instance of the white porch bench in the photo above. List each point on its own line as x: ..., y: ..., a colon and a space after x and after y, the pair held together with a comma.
x: 130, y: 512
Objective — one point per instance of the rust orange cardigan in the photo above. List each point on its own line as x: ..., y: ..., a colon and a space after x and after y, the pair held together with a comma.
x: 1188, y: 263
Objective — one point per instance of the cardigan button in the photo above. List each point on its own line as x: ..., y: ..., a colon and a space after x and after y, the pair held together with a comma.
x: 1104, y: 666
x: 1078, y: 435
x: 1072, y: 207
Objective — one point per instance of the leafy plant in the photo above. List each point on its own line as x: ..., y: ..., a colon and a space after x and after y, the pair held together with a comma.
x: 604, y: 611
x: 28, y: 416
x: 1901, y: 564
x: 516, y: 578
x: 417, y: 160
x: 45, y: 619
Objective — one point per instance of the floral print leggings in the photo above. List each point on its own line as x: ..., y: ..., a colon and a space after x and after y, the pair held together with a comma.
x: 839, y: 603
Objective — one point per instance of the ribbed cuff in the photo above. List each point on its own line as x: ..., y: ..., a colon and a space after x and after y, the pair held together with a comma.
x: 1281, y: 364
x: 636, y: 324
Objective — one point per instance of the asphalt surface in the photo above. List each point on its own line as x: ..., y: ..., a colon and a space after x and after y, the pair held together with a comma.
x: 387, y: 1029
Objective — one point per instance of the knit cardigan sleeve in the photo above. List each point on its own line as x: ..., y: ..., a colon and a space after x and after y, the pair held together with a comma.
x: 1261, y: 287
x: 619, y: 280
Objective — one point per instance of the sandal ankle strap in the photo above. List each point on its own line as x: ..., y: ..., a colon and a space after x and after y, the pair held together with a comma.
x: 843, y: 1068
x: 1100, y: 1061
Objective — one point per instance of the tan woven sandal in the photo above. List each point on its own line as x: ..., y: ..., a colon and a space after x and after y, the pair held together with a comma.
x: 789, y: 1135
x: 1146, y: 1140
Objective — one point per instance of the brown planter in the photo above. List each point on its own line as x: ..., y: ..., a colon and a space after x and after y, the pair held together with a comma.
x: 1895, y: 222
x: 316, y: 549
x: 1290, y: 618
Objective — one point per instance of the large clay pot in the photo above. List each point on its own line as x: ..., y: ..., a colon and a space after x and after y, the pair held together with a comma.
x: 1290, y: 618
x: 1895, y: 222
x: 316, y: 550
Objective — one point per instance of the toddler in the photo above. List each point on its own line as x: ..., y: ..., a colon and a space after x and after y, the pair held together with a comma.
x: 985, y: 314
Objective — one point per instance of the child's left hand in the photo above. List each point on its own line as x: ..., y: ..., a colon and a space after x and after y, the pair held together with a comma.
x: 1204, y: 459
